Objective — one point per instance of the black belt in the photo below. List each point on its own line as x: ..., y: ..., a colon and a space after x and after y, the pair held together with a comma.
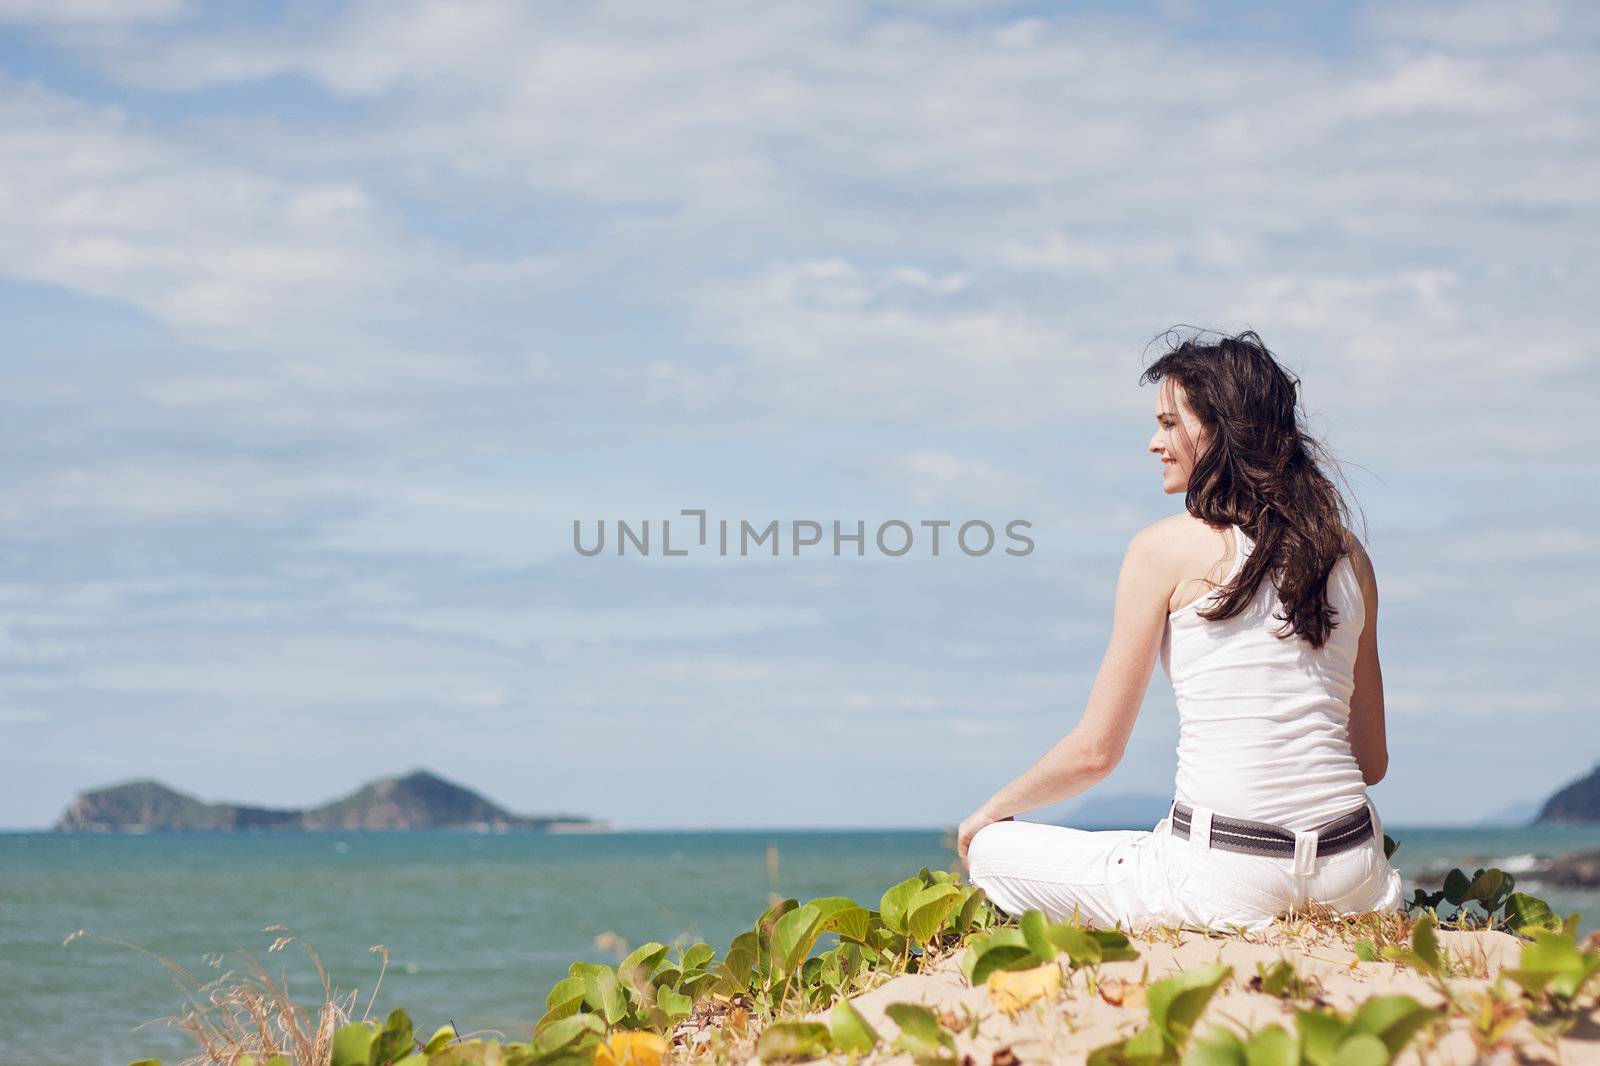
x: 1264, y: 838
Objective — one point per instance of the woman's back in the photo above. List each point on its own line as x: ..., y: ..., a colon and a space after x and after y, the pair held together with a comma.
x: 1263, y: 721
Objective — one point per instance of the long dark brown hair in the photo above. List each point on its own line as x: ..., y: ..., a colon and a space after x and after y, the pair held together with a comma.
x: 1260, y: 469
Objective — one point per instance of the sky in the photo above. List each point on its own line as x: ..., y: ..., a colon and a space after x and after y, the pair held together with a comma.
x: 325, y: 323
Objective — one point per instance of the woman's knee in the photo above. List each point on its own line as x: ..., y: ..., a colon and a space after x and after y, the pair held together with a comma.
x: 986, y: 843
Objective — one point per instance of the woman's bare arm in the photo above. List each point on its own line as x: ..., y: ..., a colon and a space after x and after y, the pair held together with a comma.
x: 1367, y: 732
x: 1095, y: 745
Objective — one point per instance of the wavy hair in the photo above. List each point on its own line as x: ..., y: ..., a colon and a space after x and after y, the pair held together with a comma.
x: 1260, y: 469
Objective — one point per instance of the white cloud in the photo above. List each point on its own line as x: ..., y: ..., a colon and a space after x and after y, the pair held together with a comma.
x: 1477, y: 23
x: 13, y: 716
x: 238, y: 257
x: 182, y: 487
x: 89, y: 11
x: 931, y: 476
x: 670, y: 226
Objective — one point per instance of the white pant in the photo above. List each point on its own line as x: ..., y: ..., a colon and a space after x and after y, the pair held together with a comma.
x: 1138, y: 877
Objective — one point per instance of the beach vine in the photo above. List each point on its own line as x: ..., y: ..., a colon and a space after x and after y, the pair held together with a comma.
x: 783, y: 991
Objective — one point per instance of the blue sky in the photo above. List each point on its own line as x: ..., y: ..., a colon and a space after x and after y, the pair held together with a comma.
x: 325, y: 323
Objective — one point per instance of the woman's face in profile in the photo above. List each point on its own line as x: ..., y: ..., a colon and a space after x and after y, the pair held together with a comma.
x: 1178, y: 437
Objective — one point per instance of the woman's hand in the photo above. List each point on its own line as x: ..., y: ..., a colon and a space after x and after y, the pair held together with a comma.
x: 969, y: 829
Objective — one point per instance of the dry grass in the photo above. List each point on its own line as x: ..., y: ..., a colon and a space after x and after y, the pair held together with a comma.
x: 251, y: 1013
x: 1319, y: 924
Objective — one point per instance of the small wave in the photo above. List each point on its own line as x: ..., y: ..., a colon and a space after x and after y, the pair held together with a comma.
x: 1513, y: 864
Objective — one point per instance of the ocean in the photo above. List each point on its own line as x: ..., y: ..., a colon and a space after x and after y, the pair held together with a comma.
x: 478, y: 926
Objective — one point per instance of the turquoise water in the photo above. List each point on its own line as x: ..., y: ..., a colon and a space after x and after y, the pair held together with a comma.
x: 478, y: 926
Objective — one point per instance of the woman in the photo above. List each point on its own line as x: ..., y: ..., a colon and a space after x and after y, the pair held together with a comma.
x: 1263, y: 610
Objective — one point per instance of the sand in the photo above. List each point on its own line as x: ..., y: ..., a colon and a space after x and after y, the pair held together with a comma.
x: 1066, y: 1027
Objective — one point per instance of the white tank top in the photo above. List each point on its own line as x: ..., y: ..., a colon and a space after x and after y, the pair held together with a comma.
x: 1263, y: 721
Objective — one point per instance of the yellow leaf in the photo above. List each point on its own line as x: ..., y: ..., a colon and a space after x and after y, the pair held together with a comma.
x: 1121, y: 992
x: 1012, y: 989
x: 632, y: 1048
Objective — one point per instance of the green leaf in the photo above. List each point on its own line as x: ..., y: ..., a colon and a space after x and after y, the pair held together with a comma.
x: 1487, y: 885
x: 1362, y: 1049
x: 1277, y: 979
x: 477, y: 1052
x: 1007, y: 934
x: 1036, y: 931
x: 892, y: 907
x: 1558, y: 953
x: 739, y: 963
x: 1002, y: 957
x: 1421, y: 900
x: 928, y: 909
x: 977, y: 944
x: 696, y: 957
x: 1320, y: 1034
x: 394, y: 1041
x: 1147, y: 1046
x: 604, y: 995
x: 792, y: 938
x: 440, y: 1039
x: 764, y: 930
x: 1393, y: 1019
x: 352, y: 1044
x: 850, y: 1031
x: 921, y: 1035
x: 1532, y: 982
x: 642, y: 961
x: 1425, y: 944
x: 1218, y: 1047
x: 567, y: 991
x: 1568, y: 982
x: 970, y: 906
x: 793, y: 1042
x: 1114, y: 945
x: 674, y: 1004
x: 1523, y: 910
x: 566, y: 1033
x: 1272, y: 1045
x: 1082, y: 948
x: 1177, y: 1002
x: 843, y: 916
x: 1456, y: 884
x: 1423, y: 954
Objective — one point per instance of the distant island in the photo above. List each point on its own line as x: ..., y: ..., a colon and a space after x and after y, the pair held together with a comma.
x: 1574, y: 804
x: 419, y: 800
x: 1123, y: 810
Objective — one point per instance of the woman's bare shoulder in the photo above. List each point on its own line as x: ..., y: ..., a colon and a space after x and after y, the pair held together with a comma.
x: 1182, y: 533
x: 1166, y: 533
x: 1360, y: 560
x: 1181, y: 544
